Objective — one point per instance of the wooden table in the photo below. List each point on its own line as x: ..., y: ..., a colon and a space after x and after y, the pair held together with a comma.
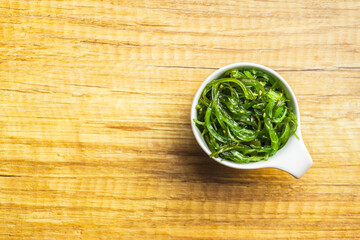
x: 95, y: 137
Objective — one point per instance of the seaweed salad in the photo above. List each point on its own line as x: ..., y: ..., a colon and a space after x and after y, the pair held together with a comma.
x: 244, y: 116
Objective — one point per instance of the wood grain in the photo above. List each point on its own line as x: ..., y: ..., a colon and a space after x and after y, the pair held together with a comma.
x: 95, y: 138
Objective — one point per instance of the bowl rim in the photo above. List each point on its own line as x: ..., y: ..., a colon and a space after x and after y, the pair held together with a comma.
x: 217, y: 74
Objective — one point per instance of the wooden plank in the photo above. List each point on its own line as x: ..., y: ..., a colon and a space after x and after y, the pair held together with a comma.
x: 95, y: 137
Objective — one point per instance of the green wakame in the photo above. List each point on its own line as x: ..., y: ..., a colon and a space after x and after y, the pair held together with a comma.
x: 245, y: 116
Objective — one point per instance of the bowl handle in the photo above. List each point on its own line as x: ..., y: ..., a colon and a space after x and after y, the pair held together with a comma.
x: 296, y: 159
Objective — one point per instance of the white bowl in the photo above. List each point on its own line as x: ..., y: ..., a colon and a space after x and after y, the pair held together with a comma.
x: 292, y: 158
